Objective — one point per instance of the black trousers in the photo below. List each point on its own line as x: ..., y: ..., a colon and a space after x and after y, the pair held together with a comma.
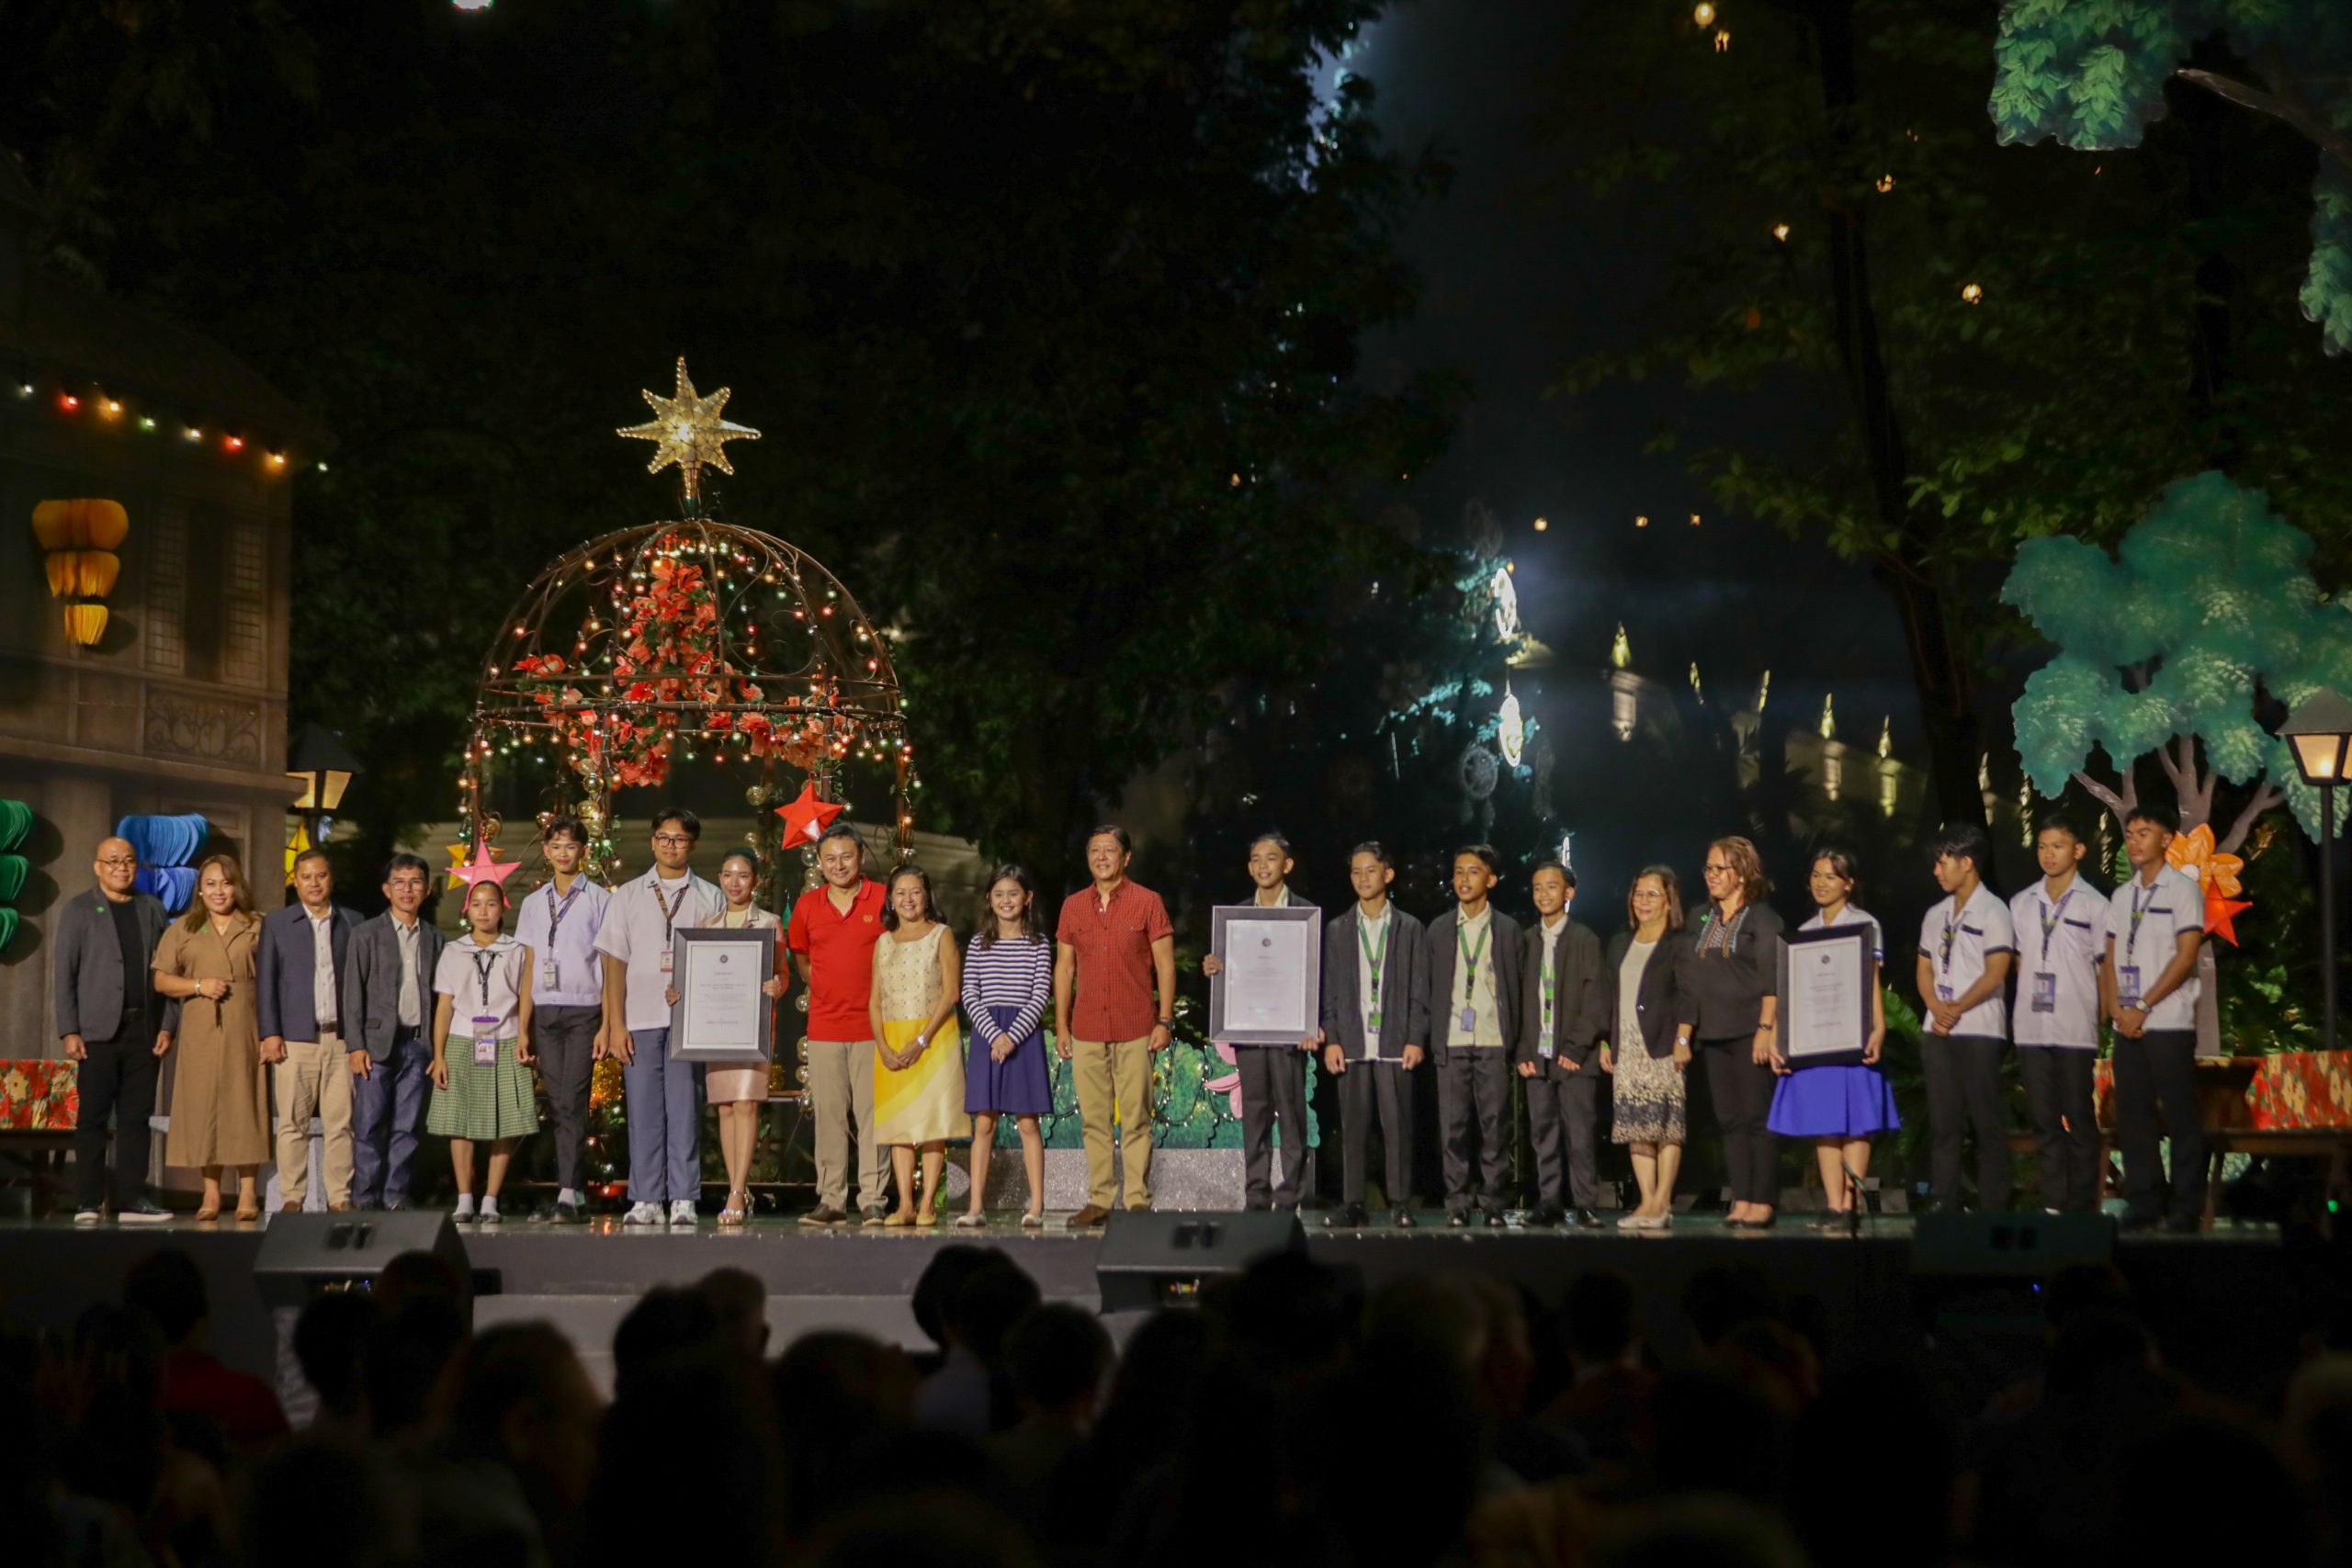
x: 1561, y: 1115
x: 1384, y: 1090
x: 2065, y: 1124
x: 116, y: 1076
x: 1742, y: 1095
x: 2156, y: 1084
x: 1273, y: 1092
x: 565, y: 1039
x: 1964, y: 1073
x: 1474, y: 1120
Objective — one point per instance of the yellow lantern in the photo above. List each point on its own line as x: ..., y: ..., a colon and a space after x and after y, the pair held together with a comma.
x: 81, y: 524
x: 85, y: 623
x: 83, y: 574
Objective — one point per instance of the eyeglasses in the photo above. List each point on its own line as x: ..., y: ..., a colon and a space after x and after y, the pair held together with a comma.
x: 131, y: 861
x: 1719, y: 871
x: 671, y: 841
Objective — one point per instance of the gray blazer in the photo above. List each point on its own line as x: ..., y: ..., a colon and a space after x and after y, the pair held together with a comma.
x: 371, y: 983
x: 1505, y: 950
x: 1404, y: 996
x: 1580, y: 995
x: 87, y: 971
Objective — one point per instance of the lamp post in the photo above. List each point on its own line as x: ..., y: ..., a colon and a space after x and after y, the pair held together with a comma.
x: 2320, y: 731
x: 323, y: 767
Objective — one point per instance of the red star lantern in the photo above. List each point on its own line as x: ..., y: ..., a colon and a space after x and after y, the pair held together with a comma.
x: 806, y: 819
x: 2221, y: 912
x: 481, y: 868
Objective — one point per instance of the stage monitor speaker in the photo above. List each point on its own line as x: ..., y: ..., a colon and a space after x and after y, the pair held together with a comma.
x: 1152, y: 1259
x: 2017, y: 1245
x: 304, y: 1253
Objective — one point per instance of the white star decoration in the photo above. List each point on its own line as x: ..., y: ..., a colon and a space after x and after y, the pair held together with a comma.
x: 687, y: 431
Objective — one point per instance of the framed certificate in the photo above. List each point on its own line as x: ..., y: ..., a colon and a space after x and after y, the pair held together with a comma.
x: 1825, y: 979
x: 721, y: 1015
x: 1269, y: 991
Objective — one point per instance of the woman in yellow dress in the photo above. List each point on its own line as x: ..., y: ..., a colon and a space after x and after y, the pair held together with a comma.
x: 220, y: 1107
x: 918, y: 1052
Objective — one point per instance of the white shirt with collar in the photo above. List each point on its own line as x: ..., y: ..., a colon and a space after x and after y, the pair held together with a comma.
x: 323, y: 992
x: 1474, y: 986
x: 637, y: 928
x: 1372, y: 937
x: 2175, y: 904
x: 1956, y: 941
x: 2062, y: 938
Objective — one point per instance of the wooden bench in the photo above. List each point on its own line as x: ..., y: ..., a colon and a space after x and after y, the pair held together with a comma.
x: 2333, y: 1144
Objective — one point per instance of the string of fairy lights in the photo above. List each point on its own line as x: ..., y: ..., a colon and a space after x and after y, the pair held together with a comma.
x: 96, y: 407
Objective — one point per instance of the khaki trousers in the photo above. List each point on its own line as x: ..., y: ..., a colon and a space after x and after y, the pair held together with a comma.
x: 840, y: 1087
x: 313, y: 1080
x: 1115, y: 1078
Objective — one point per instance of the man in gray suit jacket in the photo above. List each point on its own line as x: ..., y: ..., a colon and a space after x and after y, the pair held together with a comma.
x: 117, y: 1028
x: 304, y: 948
x: 1374, y: 1019
x: 1563, y: 1012
x: 1473, y: 953
x: 387, y: 1021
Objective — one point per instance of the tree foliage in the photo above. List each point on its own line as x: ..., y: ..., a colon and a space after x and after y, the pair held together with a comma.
x: 2092, y: 73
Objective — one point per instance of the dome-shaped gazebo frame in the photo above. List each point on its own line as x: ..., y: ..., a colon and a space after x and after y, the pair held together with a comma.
x: 680, y: 642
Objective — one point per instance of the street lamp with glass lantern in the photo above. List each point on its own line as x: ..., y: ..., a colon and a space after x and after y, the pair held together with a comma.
x: 2320, y: 731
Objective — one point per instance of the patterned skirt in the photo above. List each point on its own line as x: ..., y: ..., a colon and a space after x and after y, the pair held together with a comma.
x: 1649, y: 1095
x: 483, y: 1103
x: 923, y: 1104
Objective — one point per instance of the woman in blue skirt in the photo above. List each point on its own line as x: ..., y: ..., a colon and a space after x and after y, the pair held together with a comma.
x: 1008, y: 980
x: 1840, y: 1105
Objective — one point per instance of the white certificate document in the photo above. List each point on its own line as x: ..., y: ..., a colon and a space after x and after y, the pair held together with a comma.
x: 721, y: 989
x: 1825, y: 1004
x: 1262, y: 977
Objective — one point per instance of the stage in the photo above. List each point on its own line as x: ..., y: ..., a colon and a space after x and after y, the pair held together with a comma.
x: 2228, y: 1305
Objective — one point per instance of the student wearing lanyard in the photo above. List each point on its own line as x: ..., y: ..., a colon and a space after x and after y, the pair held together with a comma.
x: 2061, y: 925
x: 1473, y: 953
x: 557, y: 928
x: 1563, y: 1013
x: 1728, y: 975
x: 481, y: 1049
x: 1375, y: 1014
x: 2155, y: 924
x: 664, y: 1095
x: 1273, y: 1077
x: 1965, y: 946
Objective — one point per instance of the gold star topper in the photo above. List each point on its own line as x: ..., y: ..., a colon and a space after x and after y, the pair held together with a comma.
x: 687, y: 431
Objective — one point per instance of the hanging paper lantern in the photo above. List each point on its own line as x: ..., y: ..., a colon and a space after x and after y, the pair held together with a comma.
x: 80, y: 525
x: 85, y: 624
x: 1510, y: 732
x: 83, y: 574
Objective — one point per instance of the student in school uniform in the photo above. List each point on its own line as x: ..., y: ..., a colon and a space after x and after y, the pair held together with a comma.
x: 481, y: 1049
x: 1375, y: 1017
x: 1965, y: 951
x: 2155, y: 924
x: 1473, y: 953
x: 557, y: 926
x: 1273, y: 1077
x: 1562, y: 1014
x: 2061, y: 926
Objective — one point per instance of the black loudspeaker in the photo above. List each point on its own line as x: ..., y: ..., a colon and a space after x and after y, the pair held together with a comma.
x: 2017, y: 1245
x: 306, y: 1253
x: 1151, y: 1259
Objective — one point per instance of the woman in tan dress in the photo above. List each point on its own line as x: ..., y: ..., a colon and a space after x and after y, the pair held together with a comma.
x: 739, y: 1092
x: 221, y: 1098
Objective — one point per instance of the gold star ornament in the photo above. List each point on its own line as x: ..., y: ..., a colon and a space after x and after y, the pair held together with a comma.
x: 686, y: 430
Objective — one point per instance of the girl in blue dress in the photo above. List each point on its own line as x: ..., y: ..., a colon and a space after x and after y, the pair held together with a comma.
x: 1840, y: 1105
x: 1008, y: 983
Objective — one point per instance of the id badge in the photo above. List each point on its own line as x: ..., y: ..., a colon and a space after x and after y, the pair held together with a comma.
x: 2046, y: 992
x: 485, y: 1042
x: 551, y: 972
x: 1544, y: 1050
x: 665, y: 961
x: 2127, y: 985
x: 1944, y: 993
x: 1371, y: 1045
x: 1469, y: 1021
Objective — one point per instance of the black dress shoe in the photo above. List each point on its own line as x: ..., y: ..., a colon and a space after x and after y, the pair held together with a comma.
x: 370, y: 1205
x: 1545, y: 1217
x: 2137, y: 1222
x: 1495, y: 1220
x: 2185, y: 1225
x: 1402, y: 1219
x: 1585, y: 1220
x: 1345, y: 1218
x: 1457, y: 1219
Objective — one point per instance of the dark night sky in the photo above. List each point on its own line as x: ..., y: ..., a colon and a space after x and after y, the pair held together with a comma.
x: 1522, y: 274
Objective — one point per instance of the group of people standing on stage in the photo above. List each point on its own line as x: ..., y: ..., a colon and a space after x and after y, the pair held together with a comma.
x: 1483, y: 999
x: 381, y: 1030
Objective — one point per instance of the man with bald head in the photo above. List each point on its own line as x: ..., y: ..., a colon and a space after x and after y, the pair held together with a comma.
x: 117, y: 1028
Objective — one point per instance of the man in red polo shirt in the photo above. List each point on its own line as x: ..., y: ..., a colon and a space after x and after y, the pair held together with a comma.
x: 1116, y: 948
x: 831, y: 936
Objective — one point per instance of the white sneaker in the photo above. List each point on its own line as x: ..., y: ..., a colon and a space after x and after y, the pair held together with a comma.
x: 682, y: 1213
x: 465, y: 1209
x: 489, y: 1211
x: 642, y: 1214
x: 87, y: 1217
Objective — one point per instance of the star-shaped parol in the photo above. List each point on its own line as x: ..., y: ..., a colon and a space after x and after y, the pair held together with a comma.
x: 686, y: 430
x: 806, y: 817
x: 482, y: 868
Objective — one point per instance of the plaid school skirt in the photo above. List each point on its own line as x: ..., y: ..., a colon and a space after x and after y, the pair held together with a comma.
x: 483, y: 1103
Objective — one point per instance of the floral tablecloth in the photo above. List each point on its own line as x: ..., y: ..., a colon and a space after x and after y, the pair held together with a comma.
x: 39, y: 1095
x: 2292, y: 1091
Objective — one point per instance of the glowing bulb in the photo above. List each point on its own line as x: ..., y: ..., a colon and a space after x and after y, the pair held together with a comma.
x: 68, y: 401
x: 1542, y: 525
x: 1641, y: 522
x: 233, y: 443
x: 111, y: 409
x: 1886, y: 184
x: 1781, y: 232
x: 1703, y: 14
x: 1970, y: 294
x: 1694, y: 520
x: 1722, y: 40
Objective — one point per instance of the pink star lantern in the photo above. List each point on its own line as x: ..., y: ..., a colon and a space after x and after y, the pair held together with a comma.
x: 806, y: 819
x: 481, y: 868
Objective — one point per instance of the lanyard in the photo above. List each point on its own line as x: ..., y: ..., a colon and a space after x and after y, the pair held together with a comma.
x: 1373, y: 957
x: 1550, y: 953
x: 483, y: 970
x: 1470, y: 955
x: 2132, y: 937
x: 669, y: 908
x: 1730, y: 948
x: 1943, y: 953
x: 557, y: 911
x: 2049, y: 919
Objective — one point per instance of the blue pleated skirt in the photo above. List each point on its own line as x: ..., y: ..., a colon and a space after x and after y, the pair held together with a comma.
x: 1833, y: 1100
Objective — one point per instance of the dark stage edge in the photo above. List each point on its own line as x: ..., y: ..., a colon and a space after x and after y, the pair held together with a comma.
x: 2230, y: 1302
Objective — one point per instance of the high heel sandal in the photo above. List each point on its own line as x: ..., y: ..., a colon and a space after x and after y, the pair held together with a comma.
x: 967, y: 1221
x: 208, y: 1216
x: 1035, y: 1220
x: 249, y: 1216
x: 733, y: 1214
